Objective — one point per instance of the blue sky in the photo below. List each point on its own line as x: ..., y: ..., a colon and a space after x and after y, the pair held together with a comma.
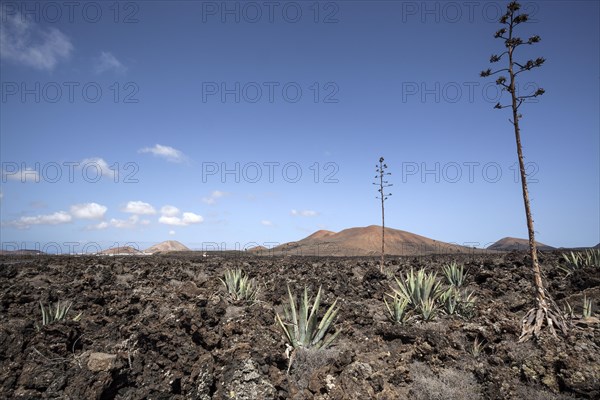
x: 251, y: 122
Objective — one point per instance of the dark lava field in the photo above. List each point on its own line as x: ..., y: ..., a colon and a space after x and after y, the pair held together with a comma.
x: 163, y: 327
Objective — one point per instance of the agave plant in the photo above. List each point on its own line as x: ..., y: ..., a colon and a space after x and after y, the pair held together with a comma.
x: 428, y: 309
x: 450, y: 300
x: 477, y: 347
x: 467, y: 304
x: 576, y: 260
x: 58, y: 313
x: 239, y: 286
x: 591, y: 258
x: 455, y: 301
x: 573, y: 259
x: 398, y: 310
x: 418, y: 288
x: 568, y: 310
x: 455, y: 274
x: 301, y: 326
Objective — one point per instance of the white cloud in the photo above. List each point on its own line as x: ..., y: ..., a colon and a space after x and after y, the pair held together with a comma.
x: 139, y: 207
x: 101, y: 225
x: 304, y: 213
x: 57, y: 218
x: 21, y: 175
x: 188, y: 219
x: 171, y: 232
x: 108, y: 62
x: 88, y: 211
x: 169, y: 211
x: 176, y: 221
x: 170, y: 216
x: 212, y: 198
x: 95, y: 168
x: 266, y: 222
x: 26, y: 43
x: 166, y: 152
x: 129, y: 223
x: 191, y: 218
x: 124, y: 223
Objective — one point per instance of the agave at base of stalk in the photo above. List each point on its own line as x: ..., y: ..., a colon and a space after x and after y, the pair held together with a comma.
x: 537, y: 318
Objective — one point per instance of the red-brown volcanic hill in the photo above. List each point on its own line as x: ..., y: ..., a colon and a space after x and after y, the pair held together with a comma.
x: 320, y: 234
x: 510, y: 243
x: 310, y: 241
x: 366, y: 241
x: 167, y: 246
x: 314, y: 239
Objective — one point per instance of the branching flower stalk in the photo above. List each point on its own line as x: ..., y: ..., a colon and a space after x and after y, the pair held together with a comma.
x: 383, y: 184
x: 545, y: 311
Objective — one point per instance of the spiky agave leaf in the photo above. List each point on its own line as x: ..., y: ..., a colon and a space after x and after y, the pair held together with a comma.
x: 330, y: 339
x: 587, y: 307
x: 312, y: 319
x: 325, y: 324
x: 405, y: 287
x: 57, y: 312
x: 303, y: 320
x: 61, y: 311
x: 285, y: 329
x: 294, y: 317
x: 430, y: 287
x: 288, y: 327
x: 44, y: 316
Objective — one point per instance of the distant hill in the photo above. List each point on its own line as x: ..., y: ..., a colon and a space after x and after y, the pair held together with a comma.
x: 260, y: 250
x: 510, y: 244
x: 166, y: 246
x: 126, y: 250
x: 21, y: 252
x: 366, y: 241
